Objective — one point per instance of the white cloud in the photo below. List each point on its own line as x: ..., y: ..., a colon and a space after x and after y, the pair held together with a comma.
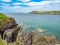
x: 17, y: 9
x: 44, y: 5
x: 32, y: 4
x: 13, y: 9
x: 38, y: 3
x: 4, y: 4
x: 6, y: 0
x: 24, y: 0
x: 17, y: 3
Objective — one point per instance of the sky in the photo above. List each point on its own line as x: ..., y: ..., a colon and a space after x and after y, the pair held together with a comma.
x: 26, y: 6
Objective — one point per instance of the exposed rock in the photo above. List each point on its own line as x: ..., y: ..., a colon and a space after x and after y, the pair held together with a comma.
x: 10, y: 31
x: 52, y: 39
x: 29, y: 39
x: 20, y: 37
x: 47, y: 40
x: 41, y: 40
x: 57, y: 44
x: 11, y: 24
x: 11, y: 34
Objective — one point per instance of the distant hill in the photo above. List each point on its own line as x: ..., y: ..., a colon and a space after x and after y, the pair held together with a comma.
x: 45, y: 12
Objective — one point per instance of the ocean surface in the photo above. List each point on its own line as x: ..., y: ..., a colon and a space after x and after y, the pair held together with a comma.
x: 46, y: 23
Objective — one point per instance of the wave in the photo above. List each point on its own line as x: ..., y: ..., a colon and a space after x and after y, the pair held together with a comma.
x: 40, y: 30
x: 28, y: 28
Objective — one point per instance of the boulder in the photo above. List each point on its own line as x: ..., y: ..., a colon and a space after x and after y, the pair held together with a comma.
x: 41, y: 38
x: 52, y: 39
x: 29, y: 39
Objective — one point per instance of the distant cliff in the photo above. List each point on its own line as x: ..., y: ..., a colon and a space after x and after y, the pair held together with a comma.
x: 45, y: 12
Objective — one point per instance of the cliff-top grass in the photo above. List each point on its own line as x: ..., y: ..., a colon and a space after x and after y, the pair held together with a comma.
x: 3, y: 19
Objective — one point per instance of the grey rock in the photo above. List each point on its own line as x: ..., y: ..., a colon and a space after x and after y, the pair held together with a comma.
x: 11, y: 24
x: 10, y: 35
x: 29, y: 39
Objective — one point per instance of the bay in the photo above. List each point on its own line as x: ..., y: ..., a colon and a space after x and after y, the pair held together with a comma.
x: 50, y: 23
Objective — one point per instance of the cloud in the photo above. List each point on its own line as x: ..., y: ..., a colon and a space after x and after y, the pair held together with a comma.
x: 27, y: 6
x: 38, y: 3
x: 17, y: 9
x: 17, y: 3
x: 10, y: 8
x: 13, y: 9
x: 32, y: 3
x: 56, y: 1
x: 24, y: 0
x: 5, y: 4
x: 6, y: 0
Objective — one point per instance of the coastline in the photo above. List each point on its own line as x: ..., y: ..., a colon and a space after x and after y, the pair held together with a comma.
x: 15, y: 30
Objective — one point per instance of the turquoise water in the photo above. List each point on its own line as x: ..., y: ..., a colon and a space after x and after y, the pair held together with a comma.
x: 43, y: 22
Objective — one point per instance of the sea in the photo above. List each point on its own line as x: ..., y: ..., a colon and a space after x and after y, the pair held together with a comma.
x: 41, y: 23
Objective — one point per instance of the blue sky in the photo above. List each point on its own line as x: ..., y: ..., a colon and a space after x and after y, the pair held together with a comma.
x: 28, y: 5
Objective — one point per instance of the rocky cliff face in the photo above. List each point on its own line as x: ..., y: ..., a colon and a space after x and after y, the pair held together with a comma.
x: 11, y: 34
x: 9, y: 31
x: 9, y: 25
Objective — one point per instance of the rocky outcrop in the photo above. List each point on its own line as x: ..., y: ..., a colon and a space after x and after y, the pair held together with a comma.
x: 11, y: 34
x: 40, y: 39
x: 29, y: 38
x: 9, y: 31
x: 11, y: 24
x: 20, y: 37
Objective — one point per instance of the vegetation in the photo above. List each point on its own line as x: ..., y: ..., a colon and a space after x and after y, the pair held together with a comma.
x: 3, y: 42
x: 45, y: 12
x: 3, y: 19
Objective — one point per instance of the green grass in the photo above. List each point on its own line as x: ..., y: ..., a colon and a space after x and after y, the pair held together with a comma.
x: 3, y: 19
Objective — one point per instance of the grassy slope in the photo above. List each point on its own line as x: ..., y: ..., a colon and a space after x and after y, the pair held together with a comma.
x: 3, y: 19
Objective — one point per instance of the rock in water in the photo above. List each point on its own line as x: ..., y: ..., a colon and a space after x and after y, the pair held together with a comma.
x: 29, y: 39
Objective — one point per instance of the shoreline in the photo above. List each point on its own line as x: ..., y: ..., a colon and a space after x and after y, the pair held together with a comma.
x: 12, y: 32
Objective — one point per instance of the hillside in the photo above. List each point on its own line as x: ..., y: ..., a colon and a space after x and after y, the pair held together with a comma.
x: 3, y: 19
x: 45, y: 12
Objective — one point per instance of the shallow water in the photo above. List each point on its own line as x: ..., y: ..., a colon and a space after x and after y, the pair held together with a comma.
x: 40, y: 22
